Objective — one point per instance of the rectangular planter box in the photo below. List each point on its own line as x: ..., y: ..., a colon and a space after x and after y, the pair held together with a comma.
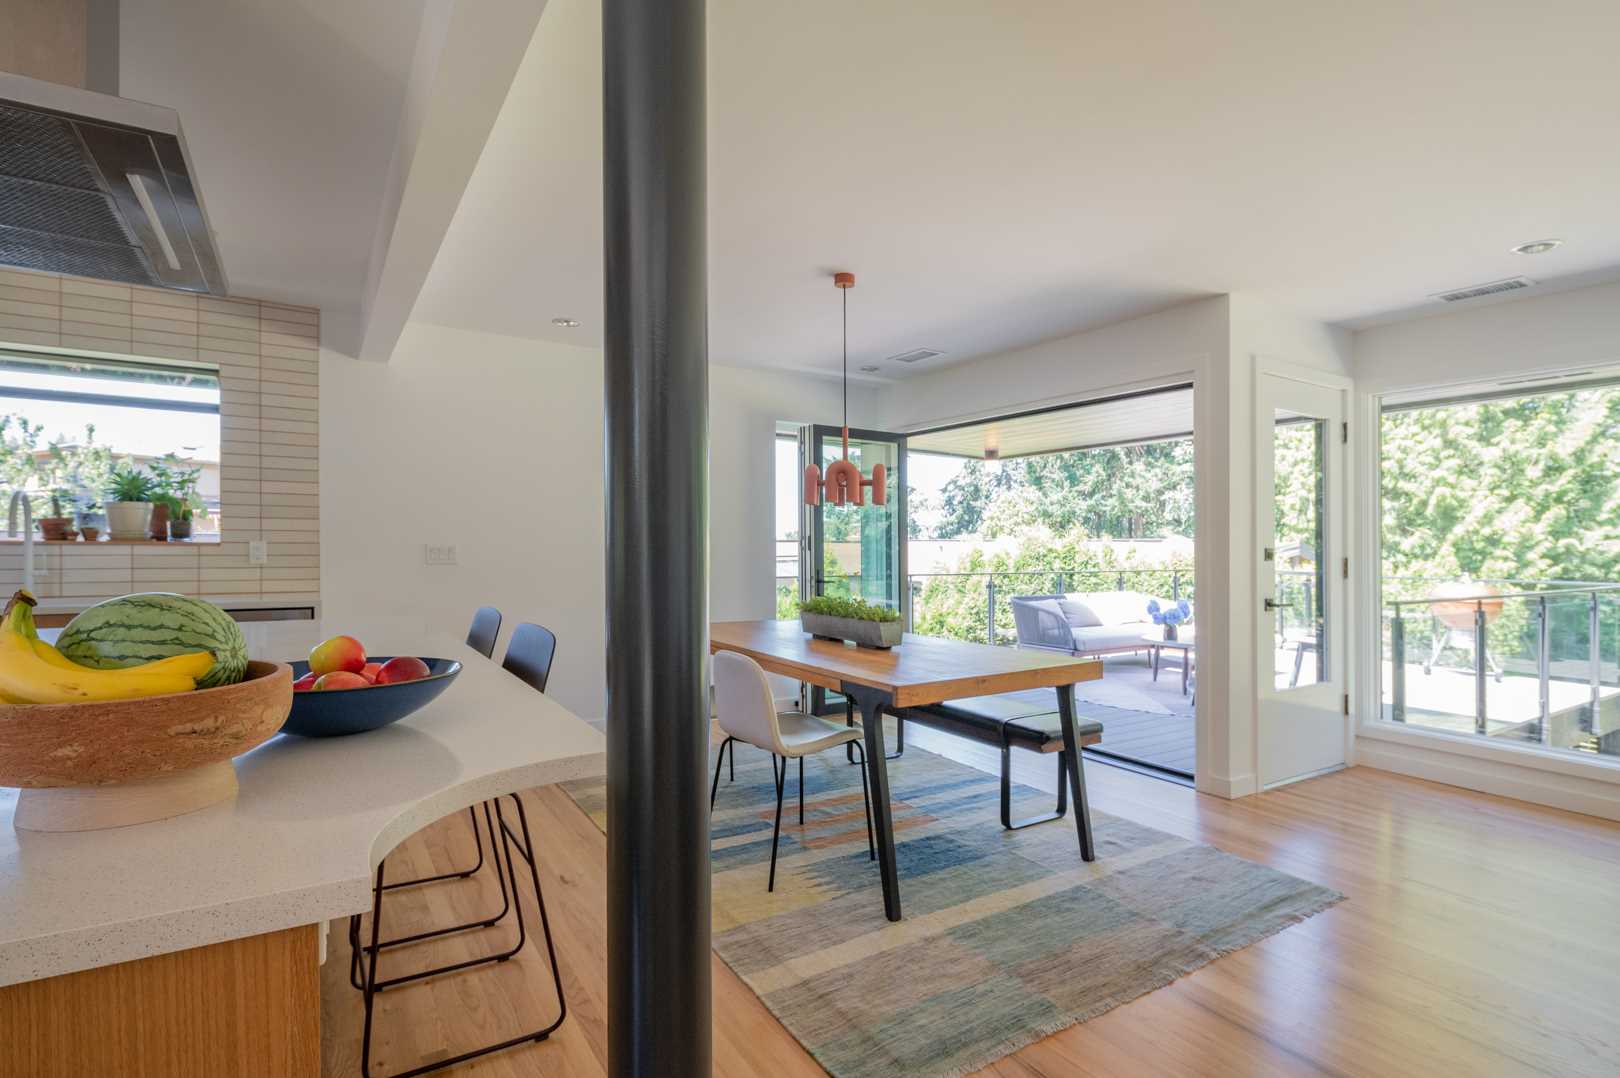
x: 868, y: 634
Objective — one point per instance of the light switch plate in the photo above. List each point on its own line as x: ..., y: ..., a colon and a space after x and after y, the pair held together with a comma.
x: 439, y: 555
x: 258, y: 552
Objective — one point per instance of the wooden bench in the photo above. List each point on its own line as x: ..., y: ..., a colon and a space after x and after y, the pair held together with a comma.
x: 1022, y: 720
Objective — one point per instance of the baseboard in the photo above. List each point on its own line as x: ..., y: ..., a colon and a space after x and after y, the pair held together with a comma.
x: 1230, y: 787
x: 1503, y: 778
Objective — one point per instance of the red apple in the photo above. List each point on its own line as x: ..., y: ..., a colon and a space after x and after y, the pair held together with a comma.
x: 340, y: 679
x: 402, y: 668
x: 337, y: 653
x: 306, y: 683
x: 369, y: 671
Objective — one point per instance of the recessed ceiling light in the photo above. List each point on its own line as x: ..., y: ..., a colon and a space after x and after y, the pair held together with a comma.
x: 566, y: 323
x: 1539, y: 247
x: 869, y: 369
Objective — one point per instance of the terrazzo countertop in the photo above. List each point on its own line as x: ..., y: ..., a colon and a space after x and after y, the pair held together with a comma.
x: 301, y: 842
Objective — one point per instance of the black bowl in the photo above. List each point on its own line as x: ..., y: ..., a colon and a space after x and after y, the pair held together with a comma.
x: 336, y: 712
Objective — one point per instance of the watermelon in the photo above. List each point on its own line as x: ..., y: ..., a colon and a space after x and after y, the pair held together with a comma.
x: 135, y: 629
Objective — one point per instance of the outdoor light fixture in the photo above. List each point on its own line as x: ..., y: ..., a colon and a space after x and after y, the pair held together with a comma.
x: 1539, y: 247
x: 843, y: 482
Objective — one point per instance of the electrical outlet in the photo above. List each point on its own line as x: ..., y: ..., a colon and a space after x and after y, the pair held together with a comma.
x: 439, y: 555
x: 258, y: 552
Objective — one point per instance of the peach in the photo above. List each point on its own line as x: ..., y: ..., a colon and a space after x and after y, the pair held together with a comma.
x: 306, y: 683
x: 369, y: 671
x: 402, y: 668
x: 337, y: 653
x: 340, y: 679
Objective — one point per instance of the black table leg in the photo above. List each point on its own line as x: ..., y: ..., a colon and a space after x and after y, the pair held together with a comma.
x: 1077, y: 778
x: 872, y: 704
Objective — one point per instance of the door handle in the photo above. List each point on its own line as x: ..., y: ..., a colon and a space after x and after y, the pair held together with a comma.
x: 1272, y: 604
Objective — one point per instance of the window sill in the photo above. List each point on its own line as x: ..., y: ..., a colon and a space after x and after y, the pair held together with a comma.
x: 196, y: 540
x: 1596, y: 768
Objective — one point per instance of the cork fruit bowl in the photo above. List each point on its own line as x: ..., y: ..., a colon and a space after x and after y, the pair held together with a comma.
x: 117, y: 762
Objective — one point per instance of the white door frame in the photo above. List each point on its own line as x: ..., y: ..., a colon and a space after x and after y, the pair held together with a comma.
x: 1318, y: 708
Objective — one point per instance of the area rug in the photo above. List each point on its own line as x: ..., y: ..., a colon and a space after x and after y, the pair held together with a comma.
x: 1007, y: 936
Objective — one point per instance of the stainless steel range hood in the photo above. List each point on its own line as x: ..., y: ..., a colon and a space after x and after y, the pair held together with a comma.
x: 100, y: 186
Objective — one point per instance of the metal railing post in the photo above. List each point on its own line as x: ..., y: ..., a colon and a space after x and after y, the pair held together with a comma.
x: 1544, y: 670
x: 1595, y: 651
x: 1397, y: 670
x: 1063, y: 583
x: 1121, y: 583
x: 911, y: 603
x: 990, y: 610
x: 1480, y: 667
x: 1175, y: 584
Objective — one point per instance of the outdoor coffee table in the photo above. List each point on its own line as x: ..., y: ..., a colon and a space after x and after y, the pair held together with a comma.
x: 1156, y: 648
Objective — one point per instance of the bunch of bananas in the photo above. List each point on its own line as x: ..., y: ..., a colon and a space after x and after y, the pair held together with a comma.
x: 34, y: 672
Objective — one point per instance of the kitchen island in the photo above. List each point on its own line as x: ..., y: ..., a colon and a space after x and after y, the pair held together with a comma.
x: 190, y: 946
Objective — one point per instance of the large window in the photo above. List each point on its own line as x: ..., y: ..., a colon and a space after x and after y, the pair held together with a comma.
x: 67, y: 421
x: 1501, y: 567
x: 788, y: 491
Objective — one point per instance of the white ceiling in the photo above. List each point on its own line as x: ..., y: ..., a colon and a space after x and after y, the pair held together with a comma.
x: 290, y: 110
x: 999, y: 174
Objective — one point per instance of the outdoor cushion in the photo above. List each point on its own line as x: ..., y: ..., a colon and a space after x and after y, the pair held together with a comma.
x: 1079, y: 615
x: 1118, y: 607
x: 1108, y: 637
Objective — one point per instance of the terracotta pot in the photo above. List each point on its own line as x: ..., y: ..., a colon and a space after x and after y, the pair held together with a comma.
x: 129, y: 520
x: 158, y: 526
x: 91, y: 534
x: 55, y: 529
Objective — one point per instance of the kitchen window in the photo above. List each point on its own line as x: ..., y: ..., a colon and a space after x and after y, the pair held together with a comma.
x: 67, y: 420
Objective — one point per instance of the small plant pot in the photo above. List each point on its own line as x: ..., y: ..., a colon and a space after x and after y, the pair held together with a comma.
x: 158, y: 526
x: 180, y: 529
x: 55, y: 529
x: 90, y: 532
x: 129, y: 520
x: 866, y: 634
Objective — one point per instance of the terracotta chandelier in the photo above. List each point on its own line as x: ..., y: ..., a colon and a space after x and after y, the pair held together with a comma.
x: 843, y: 483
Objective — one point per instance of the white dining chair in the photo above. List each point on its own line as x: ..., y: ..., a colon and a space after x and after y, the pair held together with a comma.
x: 746, y: 711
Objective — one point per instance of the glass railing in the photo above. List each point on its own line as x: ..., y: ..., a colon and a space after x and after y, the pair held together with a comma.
x: 976, y: 606
x: 1538, y: 666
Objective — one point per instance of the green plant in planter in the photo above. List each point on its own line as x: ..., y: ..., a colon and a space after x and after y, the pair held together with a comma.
x: 128, y: 483
x: 175, y: 485
x: 834, y: 606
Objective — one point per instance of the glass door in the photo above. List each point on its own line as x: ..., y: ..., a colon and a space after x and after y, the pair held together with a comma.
x: 858, y: 551
x: 1303, y: 728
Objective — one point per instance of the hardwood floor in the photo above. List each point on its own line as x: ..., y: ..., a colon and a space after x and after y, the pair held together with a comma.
x: 1481, y: 937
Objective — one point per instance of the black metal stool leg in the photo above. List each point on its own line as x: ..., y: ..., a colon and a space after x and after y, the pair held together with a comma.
x: 372, y: 985
x: 459, y: 874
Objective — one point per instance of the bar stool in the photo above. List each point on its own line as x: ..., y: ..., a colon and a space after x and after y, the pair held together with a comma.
x: 529, y: 655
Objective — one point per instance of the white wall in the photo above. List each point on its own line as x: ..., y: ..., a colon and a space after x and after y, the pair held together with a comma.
x: 1557, y: 331
x: 494, y: 443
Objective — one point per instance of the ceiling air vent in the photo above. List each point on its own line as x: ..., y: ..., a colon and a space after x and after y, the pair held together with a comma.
x: 1512, y: 284
x: 916, y: 355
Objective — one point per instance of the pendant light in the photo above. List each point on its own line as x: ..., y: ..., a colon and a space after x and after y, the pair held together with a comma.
x: 843, y: 483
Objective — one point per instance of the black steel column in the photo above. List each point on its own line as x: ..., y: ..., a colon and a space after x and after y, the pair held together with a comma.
x: 657, y: 536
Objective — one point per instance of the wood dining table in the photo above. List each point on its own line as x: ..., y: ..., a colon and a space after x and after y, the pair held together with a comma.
x: 922, y: 670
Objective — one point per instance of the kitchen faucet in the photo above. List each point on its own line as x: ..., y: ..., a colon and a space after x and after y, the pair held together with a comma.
x: 27, y: 536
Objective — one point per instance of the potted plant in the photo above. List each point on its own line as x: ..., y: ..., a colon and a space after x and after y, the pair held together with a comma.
x: 92, y: 521
x: 828, y: 617
x: 56, y: 527
x: 129, y: 502
x: 176, y: 493
x: 1177, y: 613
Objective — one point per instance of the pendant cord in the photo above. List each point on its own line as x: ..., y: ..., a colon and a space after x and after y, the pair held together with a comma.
x: 845, y: 292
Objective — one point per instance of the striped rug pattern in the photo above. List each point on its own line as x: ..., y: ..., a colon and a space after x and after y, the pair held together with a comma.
x: 1007, y: 936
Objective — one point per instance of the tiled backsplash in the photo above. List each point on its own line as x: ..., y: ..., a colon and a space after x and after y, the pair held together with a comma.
x: 267, y: 356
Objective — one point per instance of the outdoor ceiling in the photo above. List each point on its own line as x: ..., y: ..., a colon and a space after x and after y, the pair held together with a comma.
x: 1001, y: 174
x: 1145, y: 418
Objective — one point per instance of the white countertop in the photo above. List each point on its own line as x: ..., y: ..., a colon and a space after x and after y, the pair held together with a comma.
x: 74, y: 604
x: 301, y: 842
